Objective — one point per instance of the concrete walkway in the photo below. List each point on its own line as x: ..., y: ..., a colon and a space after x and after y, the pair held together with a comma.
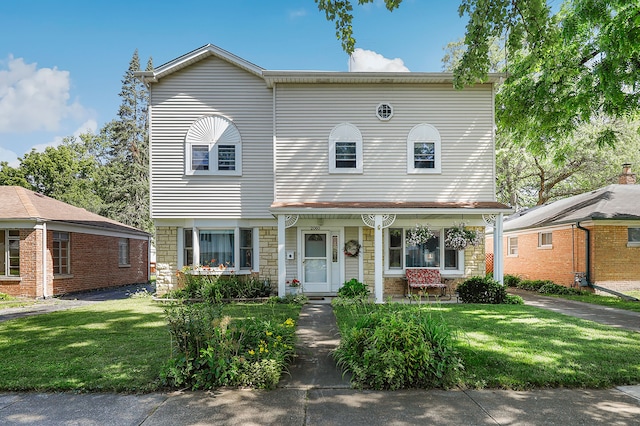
x: 315, y: 393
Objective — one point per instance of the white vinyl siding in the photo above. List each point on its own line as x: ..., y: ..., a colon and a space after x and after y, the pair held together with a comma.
x: 211, y: 87
x: 305, y: 114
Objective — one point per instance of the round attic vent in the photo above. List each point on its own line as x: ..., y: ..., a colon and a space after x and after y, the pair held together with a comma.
x: 384, y: 111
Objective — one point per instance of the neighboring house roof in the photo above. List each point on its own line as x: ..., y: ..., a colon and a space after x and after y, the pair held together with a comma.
x: 272, y: 77
x: 612, y: 202
x: 22, y: 204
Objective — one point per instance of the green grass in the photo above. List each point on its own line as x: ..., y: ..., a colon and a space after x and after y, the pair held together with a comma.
x: 610, y: 301
x: 523, y: 347
x: 115, y: 346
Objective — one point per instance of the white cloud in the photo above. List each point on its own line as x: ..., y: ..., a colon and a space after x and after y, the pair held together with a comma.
x: 88, y: 126
x: 9, y: 156
x: 368, y: 60
x: 33, y: 99
x: 294, y: 14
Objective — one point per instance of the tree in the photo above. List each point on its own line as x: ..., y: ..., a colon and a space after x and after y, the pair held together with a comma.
x: 125, y: 177
x: 563, y: 70
x: 66, y: 172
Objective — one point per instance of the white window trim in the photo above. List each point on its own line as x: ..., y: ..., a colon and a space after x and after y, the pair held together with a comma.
x: 5, y: 274
x: 68, y: 241
x: 424, y: 133
x: 345, y: 132
x: 400, y: 271
x: 212, y: 131
x: 124, y: 242
x: 509, y: 245
x: 236, y: 249
x: 545, y: 246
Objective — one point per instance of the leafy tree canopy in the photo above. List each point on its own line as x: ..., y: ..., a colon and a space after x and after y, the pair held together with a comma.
x: 563, y: 69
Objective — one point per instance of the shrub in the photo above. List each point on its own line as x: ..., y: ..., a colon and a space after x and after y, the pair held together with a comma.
x: 532, y: 285
x: 552, y: 288
x: 511, y: 280
x: 215, y: 288
x: 400, y: 349
x: 212, y: 351
x: 513, y: 299
x: 353, y: 288
x: 482, y: 290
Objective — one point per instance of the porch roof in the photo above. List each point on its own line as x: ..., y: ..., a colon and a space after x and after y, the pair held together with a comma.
x: 389, y: 207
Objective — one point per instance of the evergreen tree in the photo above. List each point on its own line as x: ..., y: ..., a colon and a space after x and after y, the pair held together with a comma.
x: 125, y: 177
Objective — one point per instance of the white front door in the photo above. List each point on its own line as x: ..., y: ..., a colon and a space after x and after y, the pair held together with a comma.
x: 316, y: 262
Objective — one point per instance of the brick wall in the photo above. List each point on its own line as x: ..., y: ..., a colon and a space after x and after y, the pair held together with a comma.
x: 613, y: 264
x: 94, y: 263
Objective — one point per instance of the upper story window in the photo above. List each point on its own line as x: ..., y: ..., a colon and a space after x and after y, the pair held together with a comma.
x: 60, y: 253
x: 10, y: 252
x: 423, y: 149
x: 545, y: 239
x: 213, y: 147
x: 345, y: 149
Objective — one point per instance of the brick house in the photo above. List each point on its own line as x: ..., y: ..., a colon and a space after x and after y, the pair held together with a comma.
x: 315, y: 176
x: 595, y: 236
x: 49, y: 248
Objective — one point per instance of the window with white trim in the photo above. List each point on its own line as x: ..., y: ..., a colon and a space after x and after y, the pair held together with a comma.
x: 545, y: 239
x: 633, y: 236
x: 432, y: 254
x: 220, y: 248
x: 60, y: 253
x: 213, y: 146
x: 512, y: 246
x: 10, y: 252
x: 345, y: 149
x: 423, y: 149
x: 123, y: 252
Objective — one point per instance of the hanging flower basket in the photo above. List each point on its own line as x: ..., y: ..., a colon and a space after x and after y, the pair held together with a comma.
x: 352, y: 248
x: 419, y: 234
x: 458, y: 238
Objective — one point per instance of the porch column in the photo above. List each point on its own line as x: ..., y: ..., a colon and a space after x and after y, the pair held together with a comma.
x: 282, y: 256
x: 498, y: 247
x: 377, y: 256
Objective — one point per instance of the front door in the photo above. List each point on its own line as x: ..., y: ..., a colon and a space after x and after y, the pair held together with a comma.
x: 316, y: 262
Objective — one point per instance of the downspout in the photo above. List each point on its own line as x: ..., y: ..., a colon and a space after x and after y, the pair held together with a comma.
x: 44, y: 260
x: 587, y: 252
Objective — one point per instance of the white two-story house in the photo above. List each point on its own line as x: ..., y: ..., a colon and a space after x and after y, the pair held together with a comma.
x: 315, y: 176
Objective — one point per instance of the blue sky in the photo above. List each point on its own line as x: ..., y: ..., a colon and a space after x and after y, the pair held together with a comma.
x: 62, y: 61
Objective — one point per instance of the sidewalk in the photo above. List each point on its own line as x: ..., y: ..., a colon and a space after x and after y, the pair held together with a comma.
x: 316, y: 394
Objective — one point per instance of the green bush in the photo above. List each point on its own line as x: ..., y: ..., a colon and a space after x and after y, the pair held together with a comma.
x: 532, y: 285
x: 482, y: 290
x: 399, y: 349
x: 211, y: 351
x: 215, y: 288
x: 552, y: 288
x: 513, y: 299
x: 353, y: 288
x: 511, y: 280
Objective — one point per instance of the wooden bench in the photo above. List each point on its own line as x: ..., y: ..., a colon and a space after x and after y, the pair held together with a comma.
x: 425, y: 279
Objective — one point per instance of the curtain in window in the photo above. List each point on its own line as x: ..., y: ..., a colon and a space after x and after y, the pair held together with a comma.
x: 216, y: 248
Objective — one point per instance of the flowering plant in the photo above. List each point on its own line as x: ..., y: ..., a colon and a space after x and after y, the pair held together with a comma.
x: 352, y: 248
x: 293, y: 283
x: 458, y: 238
x: 419, y: 235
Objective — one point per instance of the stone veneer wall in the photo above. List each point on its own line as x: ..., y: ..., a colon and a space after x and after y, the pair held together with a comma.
x: 166, y: 258
x: 269, y: 254
x: 368, y: 258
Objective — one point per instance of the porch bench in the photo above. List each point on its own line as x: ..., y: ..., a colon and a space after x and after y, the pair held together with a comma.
x: 425, y: 279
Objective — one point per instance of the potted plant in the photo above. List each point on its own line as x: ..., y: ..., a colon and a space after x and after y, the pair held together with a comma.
x: 419, y: 234
x: 293, y: 286
x: 458, y: 238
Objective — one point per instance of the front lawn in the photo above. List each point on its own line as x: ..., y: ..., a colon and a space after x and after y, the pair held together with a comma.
x: 522, y: 347
x: 115, y: 346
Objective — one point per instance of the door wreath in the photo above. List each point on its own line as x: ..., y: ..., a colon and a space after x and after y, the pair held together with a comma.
x: 352, y: 248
